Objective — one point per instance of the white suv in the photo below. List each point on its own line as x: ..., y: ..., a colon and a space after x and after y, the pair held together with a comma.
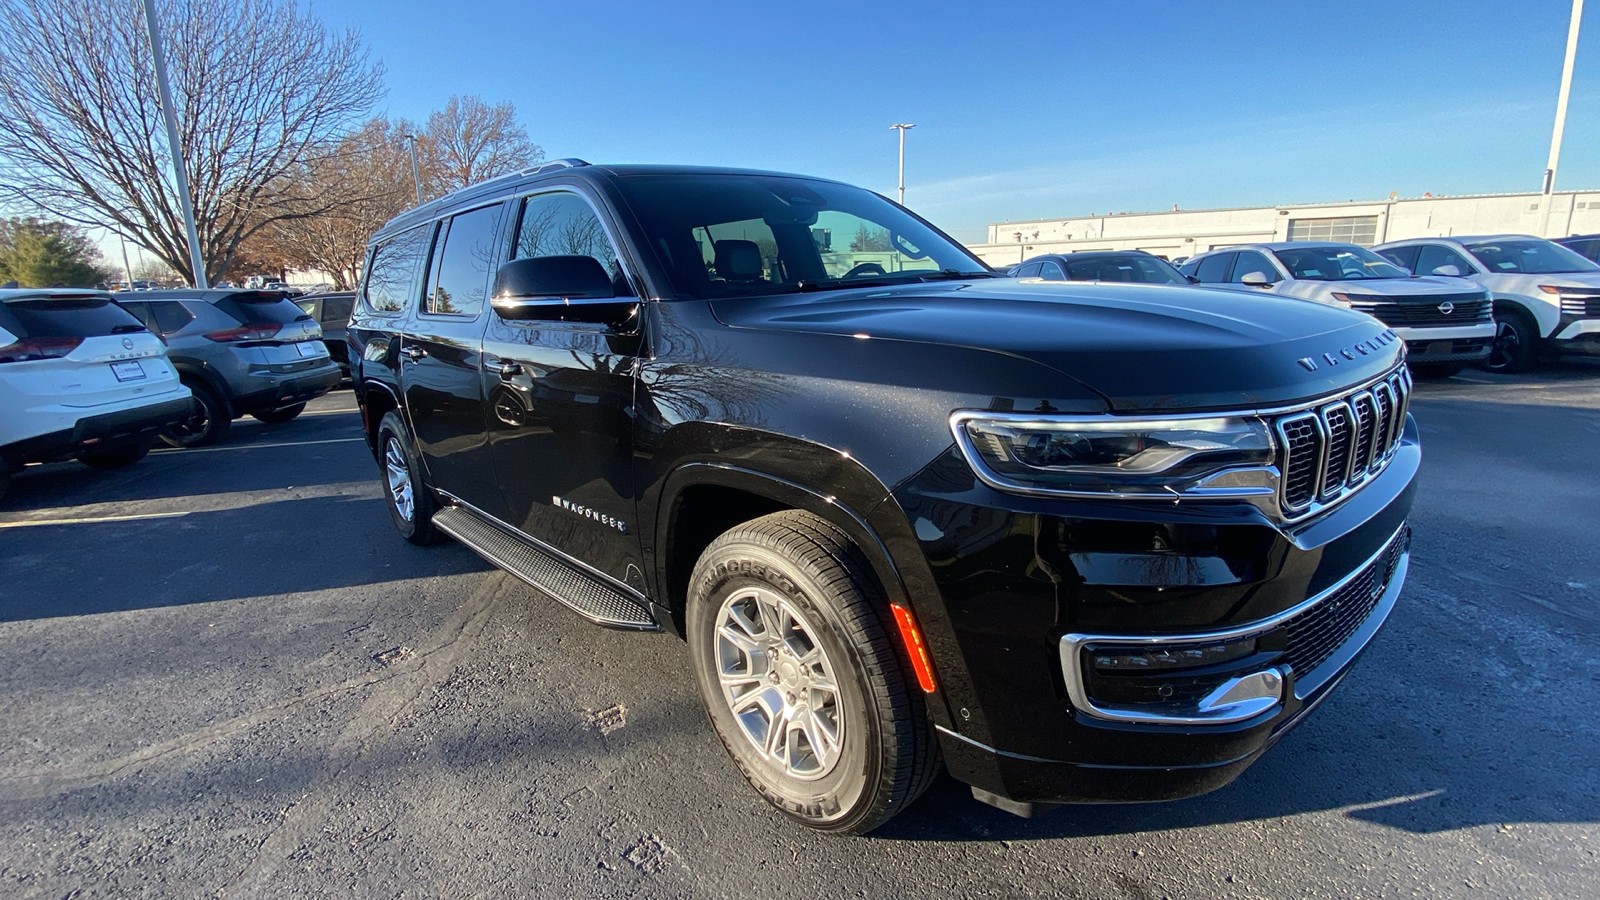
x: 1445, y: 321
x: 1546, y: 297
x: 80, y: 379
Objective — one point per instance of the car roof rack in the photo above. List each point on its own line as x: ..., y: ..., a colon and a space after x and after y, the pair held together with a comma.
x: 570, y: 162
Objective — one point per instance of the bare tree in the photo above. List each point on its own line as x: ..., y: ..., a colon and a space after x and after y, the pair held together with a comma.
x: 260, y: 88
x: 469, y: 141
x: 369, y: 172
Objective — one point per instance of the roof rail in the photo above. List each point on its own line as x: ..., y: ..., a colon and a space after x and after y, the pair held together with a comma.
x: 570, y: 162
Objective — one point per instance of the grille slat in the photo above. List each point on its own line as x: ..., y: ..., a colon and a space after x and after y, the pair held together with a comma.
x: 1329, y: 452
x: 1579, y: 304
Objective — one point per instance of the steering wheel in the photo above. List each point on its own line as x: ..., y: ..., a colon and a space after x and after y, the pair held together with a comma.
x: 866, y: 268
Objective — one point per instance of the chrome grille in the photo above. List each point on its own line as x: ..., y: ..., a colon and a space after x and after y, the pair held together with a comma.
x: 1576, y: 304
x: 1316, y: 634
x: 1330, y: 450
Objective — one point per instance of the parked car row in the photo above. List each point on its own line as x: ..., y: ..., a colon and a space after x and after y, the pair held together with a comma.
x: 1502, y: 302
x: 98, y: 377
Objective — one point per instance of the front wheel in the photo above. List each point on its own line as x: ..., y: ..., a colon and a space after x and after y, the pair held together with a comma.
x: 795, y: 665
x: 279, y: 416
x: 410, y: 501
x: 1515, y: 342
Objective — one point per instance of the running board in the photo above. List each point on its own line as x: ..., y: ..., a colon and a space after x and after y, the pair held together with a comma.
x: 585, y: 593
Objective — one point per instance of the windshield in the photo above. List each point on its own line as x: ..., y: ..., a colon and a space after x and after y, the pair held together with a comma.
x: 731, y: 235
x: 1146, y: 269
x: 1529, y: 257
x: 1337, y: 263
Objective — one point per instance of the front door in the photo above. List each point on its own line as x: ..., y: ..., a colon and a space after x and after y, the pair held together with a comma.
x: 441, y: 363
x: 560, y: 404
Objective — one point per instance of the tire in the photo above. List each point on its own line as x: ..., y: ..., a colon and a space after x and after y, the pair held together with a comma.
x: 116, y: 457
x: 406, y: 494
x: 209, y: 423
x: 854, y: 691
x: 279, y: 416
x: 1436, y: 370
x: 1516, y: 342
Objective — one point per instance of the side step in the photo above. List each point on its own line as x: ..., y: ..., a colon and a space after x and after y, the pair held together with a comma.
x: 585, y: 593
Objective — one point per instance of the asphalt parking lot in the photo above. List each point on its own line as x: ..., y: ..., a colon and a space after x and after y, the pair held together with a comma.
x: 223, y: 674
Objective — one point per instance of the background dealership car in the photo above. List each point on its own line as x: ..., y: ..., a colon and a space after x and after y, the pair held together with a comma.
x: 1585, y: 245
x: 1445, y: 321
x: 1100, y: 265
x: 332, y: 312
x: 1546, y: 296
x: 241, y: 352
x: 80, y: 378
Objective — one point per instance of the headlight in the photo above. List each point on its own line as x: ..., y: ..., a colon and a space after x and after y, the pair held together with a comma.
x: 1111, y: 456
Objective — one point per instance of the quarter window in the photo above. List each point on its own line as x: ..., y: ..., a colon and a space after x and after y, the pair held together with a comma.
x: 1052, y: 272
x: 1031, y: 270
x: 392, y: 280
x: 564, y: 224
x: 169, y: 316
x: 461, y: 267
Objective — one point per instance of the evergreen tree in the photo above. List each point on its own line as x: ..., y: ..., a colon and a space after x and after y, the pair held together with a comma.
x: 37, y: 253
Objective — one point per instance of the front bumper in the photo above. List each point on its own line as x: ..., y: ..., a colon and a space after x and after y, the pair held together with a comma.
x: 96, y: 432
x: 1576, y: 335
x: 1030, y: 585
x: 1457, y: 343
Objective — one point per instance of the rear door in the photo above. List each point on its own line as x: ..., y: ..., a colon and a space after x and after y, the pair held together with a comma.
x: 561, y: 401
x: 441, y: 359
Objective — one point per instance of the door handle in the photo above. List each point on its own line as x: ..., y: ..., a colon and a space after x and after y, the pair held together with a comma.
x: 507, y: 370
x: 411, y: 352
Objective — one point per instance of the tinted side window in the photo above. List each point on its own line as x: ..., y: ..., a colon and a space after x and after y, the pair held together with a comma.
x: 169, y: 317
x: 1435, y: 255
x: 1248, y: 262
x: 563, y: 224
x: 1031, y: 270
x: 336, y: 310
x: 141, y: 311
x: 395, y: 271
x: 1051, y: 272
x: 1214, y: 269
x: 461, y: 281
x: 1402, y: 256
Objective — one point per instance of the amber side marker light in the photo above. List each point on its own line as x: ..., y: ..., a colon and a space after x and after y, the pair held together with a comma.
x: 914, y: 646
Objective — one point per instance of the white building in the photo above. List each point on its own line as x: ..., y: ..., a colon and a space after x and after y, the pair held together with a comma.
x: 1183, y: 233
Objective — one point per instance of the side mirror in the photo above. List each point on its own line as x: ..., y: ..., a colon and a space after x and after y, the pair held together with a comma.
x: 1450, y: 270
x: 1255, y: 279
x: 561, y: 289
x: 1192, y: 279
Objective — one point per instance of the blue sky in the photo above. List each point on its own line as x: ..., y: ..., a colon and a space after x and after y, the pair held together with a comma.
x: 1025, y: 110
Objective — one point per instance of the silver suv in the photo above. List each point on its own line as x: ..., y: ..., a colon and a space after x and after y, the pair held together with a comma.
x: 241, y: 352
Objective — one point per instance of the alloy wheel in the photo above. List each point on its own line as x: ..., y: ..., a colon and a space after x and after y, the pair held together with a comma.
x: 1507, y: 346
x: 398, y: 475
x: 779, y: 683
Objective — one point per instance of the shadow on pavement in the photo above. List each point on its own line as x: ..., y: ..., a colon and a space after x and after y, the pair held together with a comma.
x: 279, y: 547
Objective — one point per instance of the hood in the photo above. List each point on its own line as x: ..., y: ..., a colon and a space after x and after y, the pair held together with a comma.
x: 1523, y: 281
x: 1141, y: 346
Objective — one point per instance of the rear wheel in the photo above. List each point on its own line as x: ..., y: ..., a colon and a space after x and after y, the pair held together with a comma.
x: 411, y: 504
x: 208, y: 419
x: 1516, y: 341
x: 279, y: 416
x: 116, y: 457
x: 791, y: 650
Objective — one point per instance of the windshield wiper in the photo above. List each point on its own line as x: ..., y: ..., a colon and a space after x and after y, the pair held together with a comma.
x: 953, y: 275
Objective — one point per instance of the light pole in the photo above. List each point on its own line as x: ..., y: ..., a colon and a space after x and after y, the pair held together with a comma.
x: 180, y: 176
x: 126, y: 269
x: 1548, y: 189
x: 903, y: 128
x: 416, y: 176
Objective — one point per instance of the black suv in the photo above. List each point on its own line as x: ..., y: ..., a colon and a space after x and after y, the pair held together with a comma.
x: 1084, y: 542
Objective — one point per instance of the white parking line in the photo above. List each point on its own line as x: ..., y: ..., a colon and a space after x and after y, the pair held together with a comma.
x: 135, y: 518
x: 256, y: 446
